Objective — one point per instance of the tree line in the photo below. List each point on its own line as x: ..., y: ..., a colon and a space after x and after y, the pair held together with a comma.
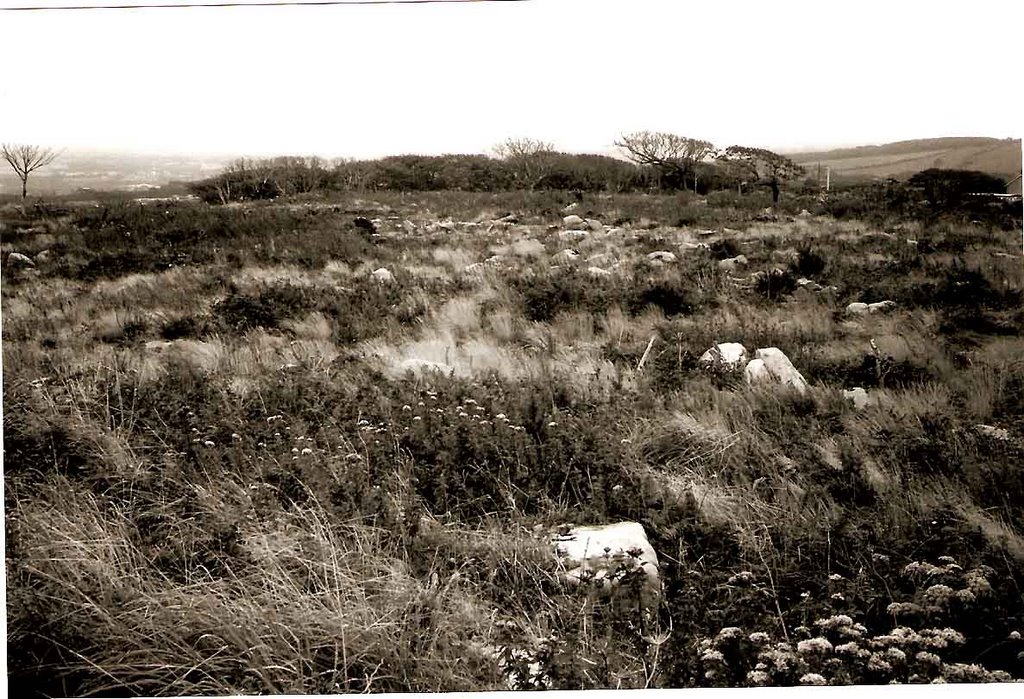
x: 654, y: 161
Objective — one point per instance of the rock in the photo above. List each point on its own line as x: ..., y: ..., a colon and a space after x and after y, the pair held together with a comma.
x: 856, y: 309
x: 731, y: 264
x: 566, y: 257
x: 601, y: 258
x: 44, y: 256
x: 475, y: 268
x: 708, y: 231
x: 727, y: 356
x: 661, y: 256
x: 617, y: 231
x: 382, y: 275
x: 882, y: 307
x: 573, y: 222
x: 157, y: 345
x: 859, y: 397
x: 808, y: 284
x: 409, y: 226
x: 572, y: 207
x: 600, y: 550
x: 694, y: 246
x: 778, y: 368
x: 756, y: 372
x: 911, y: 242
x: 509, y: 218
x: 573, y: 235
x: 804, y: 213
x: 594, y: 225
x: 598, y: 272
x: 1002, y: 434
x: 18, y: 261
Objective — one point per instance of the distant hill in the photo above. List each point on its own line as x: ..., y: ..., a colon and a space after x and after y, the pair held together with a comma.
x: 77, y: 169
x: 995, y: 156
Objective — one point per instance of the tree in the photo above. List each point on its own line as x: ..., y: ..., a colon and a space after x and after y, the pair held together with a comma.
x: 761, y: 166
x: 26, y: 159
x: 528, y: 158
x: 948, y: 189
x: 674, y: 157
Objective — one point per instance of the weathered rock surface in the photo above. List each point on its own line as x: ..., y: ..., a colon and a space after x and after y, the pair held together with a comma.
x: 856, y: 309
x: 732, y: 264
x: 382, y: 275
x: 661, y: 256
x: 725, y: 356
x: 18, y: 261
x: 858, y: 397
x: 605, y: 552
x: 776, y: 367
x: 573, y: 222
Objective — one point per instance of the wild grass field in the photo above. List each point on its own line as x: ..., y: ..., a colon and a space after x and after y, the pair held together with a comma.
x: 239, y: 458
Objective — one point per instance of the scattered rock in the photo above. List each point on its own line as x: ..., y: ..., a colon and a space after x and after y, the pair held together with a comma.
x: 573, y: 235
x: 382, y: 275
x: 598, y: 272
x: 704, y: 232
x: 778, y: 368
x: 808, y: 284
x: 694, y: 246
x: 804, y: 213
x: 409, y: 226
x: 44, y: 256
x: 18, y: 261
x: 600, y: 550
x: 617, y: 231
x: 911, y: 242
x: 731, y: 264
x: 1000, y: 433
x: 859, y: 397
x: 572, y: 207
x: 573, y: 222
x: 509, y: 218
x: 726, y: 356
x: 856, y: 309
x: 594, y: 225
x: 882, y: 307
x: 662, y: 256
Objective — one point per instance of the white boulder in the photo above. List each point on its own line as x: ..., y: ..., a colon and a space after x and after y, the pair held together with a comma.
x: 731, y: 264
x: 775, y: 366
x: 600, y: 551
x: 882, y: 307
x: 728, y: 356
x: 17, y: 260
x: 756, y: 372
x: 856, y: 309
x: 573, y: 222
x: 663, y: 256
x: 594, y: 225
x: 598, y: 272
x: 858, y: 397
x: 382, y: 275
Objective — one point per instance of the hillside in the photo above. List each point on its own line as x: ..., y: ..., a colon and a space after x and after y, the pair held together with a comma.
x: 996, y: 156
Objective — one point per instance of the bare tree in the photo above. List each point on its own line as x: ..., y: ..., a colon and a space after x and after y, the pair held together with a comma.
x: 528, y: 157
x: 25, y: 159
x: 671, y: 155
x: 761, y: 166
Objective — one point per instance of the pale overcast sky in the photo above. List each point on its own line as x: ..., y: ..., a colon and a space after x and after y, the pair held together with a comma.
x: 460, y: 77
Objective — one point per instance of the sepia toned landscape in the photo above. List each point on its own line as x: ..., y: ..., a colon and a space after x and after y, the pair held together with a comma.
x: 352, y: 440
x: 388, y: 346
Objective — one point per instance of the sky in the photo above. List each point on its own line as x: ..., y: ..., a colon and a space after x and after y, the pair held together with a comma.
x: 459, y: 77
